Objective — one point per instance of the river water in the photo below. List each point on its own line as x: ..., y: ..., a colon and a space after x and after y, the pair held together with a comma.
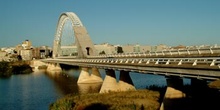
x: 36, y: 91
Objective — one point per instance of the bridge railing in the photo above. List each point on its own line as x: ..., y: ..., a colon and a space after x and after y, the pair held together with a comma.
x: 168, y: 53
x: 200, y: 62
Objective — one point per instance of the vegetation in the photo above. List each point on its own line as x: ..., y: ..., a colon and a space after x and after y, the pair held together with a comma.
x: 42, y: 67
x: 119, y: 49
x: 5, y: 69
x: 102, y: 53
x: 17, y: 67
x: 160, y: 89
x: 21, y: 67
x: 147, y: 99
x: 128, y: 100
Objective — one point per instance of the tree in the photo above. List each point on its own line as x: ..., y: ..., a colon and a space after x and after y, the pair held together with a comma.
x: 119, y: 49
x: 19, y: 57
x: 102, y: 53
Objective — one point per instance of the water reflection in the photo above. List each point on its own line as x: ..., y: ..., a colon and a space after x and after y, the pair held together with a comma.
x: 66, y: 83
x: 27, y: 92
x: 36, y: 91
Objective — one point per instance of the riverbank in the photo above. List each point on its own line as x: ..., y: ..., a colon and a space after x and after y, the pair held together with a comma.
x: 144, y: 99
x: 127, y: 100
x: 12, y: 68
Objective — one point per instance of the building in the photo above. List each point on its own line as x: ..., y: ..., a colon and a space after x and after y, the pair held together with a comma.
x: 26, y: 44
x: 129, y: 48
x: 26, y: 54
x: 142, y: 48
x: 105, y: 48
x: 45, y: 52
x: 41, y: 52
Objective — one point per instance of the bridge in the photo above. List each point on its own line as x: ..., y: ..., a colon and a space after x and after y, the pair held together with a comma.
x: 200, y: 64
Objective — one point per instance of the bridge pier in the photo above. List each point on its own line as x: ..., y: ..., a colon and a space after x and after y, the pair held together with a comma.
x: 110, y: 83
x: 53, y: 67
x: 125, y: 81
x: 200, y: 94
x: 198, y: 84
x: 86, y: 77
x: 174, y: 94
x: 89, y: 88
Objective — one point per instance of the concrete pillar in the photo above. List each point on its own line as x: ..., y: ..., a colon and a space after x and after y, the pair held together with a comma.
x: 53, y: 67
x: 200, y: 94
x: 86, y: 77
x: 174, y: 95
x: 198, y: 84
x: 125, y: 81
x: 110, y: 82
x: 96, y: 75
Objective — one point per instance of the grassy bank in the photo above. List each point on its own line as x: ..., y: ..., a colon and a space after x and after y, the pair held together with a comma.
x: 128, y: 100
x: 146, y: 99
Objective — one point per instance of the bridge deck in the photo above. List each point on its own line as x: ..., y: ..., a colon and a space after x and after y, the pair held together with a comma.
x: 202, y: 67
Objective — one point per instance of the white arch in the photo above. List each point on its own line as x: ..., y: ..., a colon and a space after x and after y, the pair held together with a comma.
x: 82, y: 38
x: 63, y: 17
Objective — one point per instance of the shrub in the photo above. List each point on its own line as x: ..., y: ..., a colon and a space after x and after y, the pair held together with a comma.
x: 21, y: 69
x: 5, y: 69
x: 127, y: 100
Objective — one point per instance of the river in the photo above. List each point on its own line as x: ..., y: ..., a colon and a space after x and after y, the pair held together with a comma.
x: 36, y: 91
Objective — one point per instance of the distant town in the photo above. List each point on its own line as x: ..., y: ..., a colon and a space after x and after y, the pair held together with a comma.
x: 26, y: 51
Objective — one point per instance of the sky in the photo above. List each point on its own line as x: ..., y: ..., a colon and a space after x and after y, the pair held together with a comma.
x: 144, y: 22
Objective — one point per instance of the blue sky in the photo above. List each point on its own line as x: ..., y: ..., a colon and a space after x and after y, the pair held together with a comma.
x: 145, y: 22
